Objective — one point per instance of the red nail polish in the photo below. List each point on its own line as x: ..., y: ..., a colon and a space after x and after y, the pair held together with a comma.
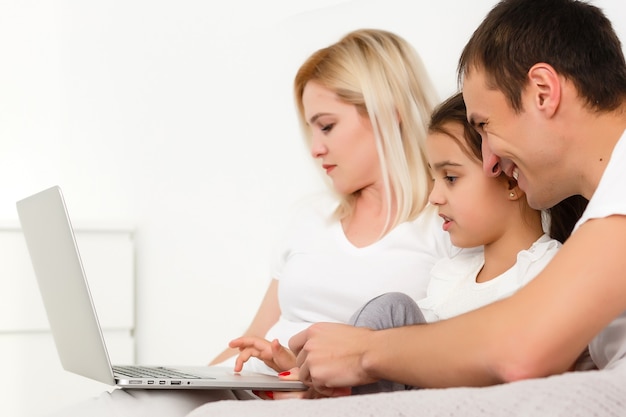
x: 270, y: 394
x: 286, y: 373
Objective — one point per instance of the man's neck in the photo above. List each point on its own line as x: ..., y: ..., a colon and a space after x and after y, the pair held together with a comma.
x: 596, y: 137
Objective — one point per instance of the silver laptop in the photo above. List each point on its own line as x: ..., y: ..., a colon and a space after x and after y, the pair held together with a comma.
x: 72, y: 315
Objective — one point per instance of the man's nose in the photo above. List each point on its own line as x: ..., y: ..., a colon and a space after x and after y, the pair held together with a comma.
x: 491, y: 161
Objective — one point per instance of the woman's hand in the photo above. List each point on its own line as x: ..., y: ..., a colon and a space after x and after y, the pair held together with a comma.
x: 273, y: 354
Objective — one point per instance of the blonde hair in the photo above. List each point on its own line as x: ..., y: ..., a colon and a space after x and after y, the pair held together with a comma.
x: 382, y: 75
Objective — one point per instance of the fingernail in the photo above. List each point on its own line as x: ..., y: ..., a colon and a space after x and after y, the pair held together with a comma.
x: 270, y: 394
x: 286, y: 373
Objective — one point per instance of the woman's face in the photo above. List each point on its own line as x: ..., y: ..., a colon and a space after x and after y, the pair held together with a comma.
x: 341, y: 139
x: 474, y: 206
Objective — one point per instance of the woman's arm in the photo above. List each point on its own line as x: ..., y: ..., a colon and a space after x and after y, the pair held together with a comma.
x: 538, y: 331
x: 267, y: 315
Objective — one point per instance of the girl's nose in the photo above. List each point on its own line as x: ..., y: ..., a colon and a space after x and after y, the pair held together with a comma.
x: 436, y: 197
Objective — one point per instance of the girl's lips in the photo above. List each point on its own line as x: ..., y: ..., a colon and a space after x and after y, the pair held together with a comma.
x: 328, y: 168
x: 447, y: 222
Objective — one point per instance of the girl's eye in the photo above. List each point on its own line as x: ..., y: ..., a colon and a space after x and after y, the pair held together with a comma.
x: 450, y: 179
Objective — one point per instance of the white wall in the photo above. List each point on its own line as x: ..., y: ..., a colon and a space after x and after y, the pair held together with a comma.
x: 177, y: 118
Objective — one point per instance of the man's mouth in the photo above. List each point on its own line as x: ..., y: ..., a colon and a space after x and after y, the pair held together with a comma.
x: 515, y: 173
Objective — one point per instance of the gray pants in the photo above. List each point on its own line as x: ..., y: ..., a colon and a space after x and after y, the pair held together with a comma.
x: 389, y: 310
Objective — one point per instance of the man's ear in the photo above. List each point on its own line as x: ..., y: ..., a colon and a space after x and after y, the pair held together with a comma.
x: 545, y: 86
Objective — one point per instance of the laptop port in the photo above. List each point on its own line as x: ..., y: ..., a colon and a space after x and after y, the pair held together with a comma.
x: 175, y: 383
x: 161, y: 382
x: 150, y: 382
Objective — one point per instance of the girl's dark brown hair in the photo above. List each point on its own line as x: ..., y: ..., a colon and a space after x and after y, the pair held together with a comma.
x: 453, y: 111
x: 563, y: 216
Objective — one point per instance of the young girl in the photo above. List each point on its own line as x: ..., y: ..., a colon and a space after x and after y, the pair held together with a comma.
x: 478, y: 211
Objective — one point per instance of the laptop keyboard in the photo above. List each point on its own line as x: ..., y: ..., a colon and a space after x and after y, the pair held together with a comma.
x: 151, y: 372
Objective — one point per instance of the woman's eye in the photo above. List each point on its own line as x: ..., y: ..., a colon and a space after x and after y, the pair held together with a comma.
x: 327, y: 128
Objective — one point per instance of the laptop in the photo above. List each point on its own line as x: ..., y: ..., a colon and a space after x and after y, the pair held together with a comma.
x: 73, y: 320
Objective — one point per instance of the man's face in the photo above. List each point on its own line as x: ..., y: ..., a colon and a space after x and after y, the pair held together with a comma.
x: 515, y: 143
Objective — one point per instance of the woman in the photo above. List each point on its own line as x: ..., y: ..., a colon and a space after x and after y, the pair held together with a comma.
x: 363, y: 104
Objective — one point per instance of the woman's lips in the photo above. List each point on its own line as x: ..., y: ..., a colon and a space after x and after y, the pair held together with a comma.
x: 328, y: 168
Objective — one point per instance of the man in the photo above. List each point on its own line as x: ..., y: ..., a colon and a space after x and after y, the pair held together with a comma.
x: 545, y: 85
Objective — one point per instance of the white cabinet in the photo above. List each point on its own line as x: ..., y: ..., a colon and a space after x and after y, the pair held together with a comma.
x: 34, y: 382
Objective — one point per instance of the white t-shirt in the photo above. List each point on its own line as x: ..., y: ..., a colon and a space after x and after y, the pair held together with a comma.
x: 453, y: 289
x: 609, y: 346
x: 325, y: 278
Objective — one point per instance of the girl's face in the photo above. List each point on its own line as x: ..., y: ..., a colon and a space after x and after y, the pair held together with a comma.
x: 474, y: 206
x: 341, y: 139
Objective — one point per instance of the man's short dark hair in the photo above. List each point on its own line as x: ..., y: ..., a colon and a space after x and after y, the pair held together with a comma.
x: 574, y: 37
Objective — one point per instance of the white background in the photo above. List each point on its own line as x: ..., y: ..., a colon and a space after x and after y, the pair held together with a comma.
x: 177, y: 118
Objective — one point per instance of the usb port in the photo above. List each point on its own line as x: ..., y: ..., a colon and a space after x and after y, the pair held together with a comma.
x: 161, y: 382
x: 175, y: 383
x: 150, y: 382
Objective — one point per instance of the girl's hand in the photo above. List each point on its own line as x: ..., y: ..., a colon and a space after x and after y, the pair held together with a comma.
x: 273, y: 354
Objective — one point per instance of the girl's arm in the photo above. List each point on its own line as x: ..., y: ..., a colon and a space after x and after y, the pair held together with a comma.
x: 267, y: 315
x: 538, y: 331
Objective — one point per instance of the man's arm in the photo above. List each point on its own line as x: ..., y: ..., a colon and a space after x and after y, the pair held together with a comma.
x: 538, y: 331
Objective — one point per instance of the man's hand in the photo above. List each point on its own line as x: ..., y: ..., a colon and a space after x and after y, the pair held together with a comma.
x: 330, y: 357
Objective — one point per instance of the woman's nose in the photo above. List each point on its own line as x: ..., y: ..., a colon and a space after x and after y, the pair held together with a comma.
x: 318, y: 148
